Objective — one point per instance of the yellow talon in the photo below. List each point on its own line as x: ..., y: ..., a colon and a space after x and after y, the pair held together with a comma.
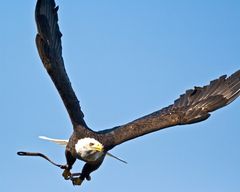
x: 66, y: 174
x: 77, y: 181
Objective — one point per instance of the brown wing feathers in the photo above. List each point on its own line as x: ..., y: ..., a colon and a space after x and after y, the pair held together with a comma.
x: 191, y: 107
x: 48, y: 42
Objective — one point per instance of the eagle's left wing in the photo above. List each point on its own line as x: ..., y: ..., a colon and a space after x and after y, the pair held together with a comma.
x: 49, y: 46
x: 192, y: 107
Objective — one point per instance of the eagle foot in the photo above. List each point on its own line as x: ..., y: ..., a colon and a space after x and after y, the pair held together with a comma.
x: 66, y: 174
x: 76, y: 181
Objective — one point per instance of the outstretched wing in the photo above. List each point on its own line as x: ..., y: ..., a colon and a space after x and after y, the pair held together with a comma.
x: 192, y: 107
x: 49, y: 47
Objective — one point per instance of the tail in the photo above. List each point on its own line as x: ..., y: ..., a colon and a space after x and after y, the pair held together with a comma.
x: 58, y: 141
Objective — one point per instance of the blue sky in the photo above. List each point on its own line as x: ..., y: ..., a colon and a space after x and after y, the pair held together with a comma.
x: 125, y: 59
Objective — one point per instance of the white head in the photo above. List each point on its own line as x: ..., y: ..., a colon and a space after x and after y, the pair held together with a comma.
x: 89, y: 149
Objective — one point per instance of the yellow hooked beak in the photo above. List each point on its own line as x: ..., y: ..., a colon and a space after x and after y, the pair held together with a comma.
x: 98, y: 147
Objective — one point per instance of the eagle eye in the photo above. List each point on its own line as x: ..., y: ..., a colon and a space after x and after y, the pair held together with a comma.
x: 91, y: 144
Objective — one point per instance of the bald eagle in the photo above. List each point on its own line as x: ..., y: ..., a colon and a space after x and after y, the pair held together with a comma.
x: 91, y: 146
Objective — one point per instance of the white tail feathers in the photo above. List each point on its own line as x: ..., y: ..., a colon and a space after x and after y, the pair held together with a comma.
x: 58, y: 141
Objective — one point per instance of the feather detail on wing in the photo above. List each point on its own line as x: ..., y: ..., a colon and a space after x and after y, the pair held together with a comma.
x: 191, y: 107
x: 49, y: 47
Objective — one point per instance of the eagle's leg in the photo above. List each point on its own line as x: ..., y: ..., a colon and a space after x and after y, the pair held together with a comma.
x: 87, y: 169
x: 70, y: 161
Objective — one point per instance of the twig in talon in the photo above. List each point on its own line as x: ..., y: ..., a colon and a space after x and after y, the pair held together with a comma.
x: 75, y: 174
x: 36, y: 154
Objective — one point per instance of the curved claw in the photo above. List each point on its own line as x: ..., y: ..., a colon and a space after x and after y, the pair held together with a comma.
x: 88, y: 178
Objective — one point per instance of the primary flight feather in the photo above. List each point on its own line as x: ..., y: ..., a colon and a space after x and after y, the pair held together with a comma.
x: 90, y: 146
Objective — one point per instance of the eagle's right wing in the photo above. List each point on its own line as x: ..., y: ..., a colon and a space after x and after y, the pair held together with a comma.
x: 49, y: 46
x: 192, y: 107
